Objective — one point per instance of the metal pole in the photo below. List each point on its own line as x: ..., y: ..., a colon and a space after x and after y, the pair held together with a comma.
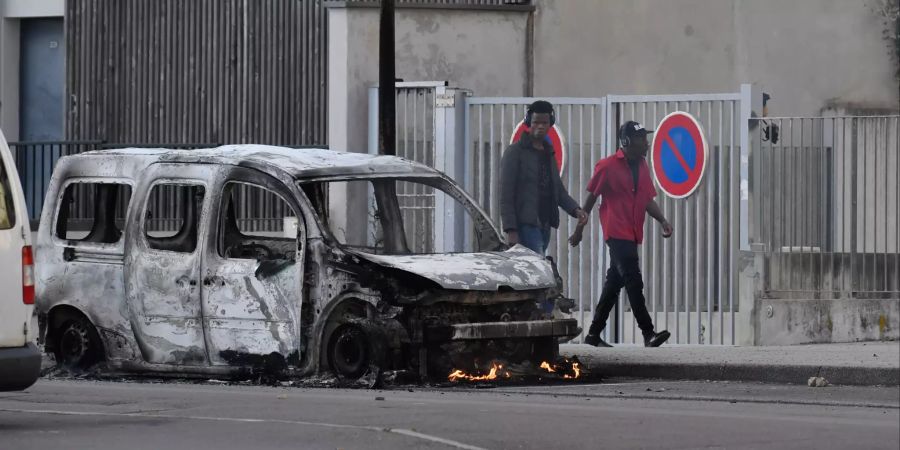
x: 387, y: 127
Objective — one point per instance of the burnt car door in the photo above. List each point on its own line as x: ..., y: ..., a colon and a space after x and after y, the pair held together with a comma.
x: 253, y: 273
x: 162, y: 270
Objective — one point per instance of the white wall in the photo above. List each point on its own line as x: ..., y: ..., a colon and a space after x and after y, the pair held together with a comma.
x: 805, y: 53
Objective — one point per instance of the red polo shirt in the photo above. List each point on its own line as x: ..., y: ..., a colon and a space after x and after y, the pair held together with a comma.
x: 622, y: 206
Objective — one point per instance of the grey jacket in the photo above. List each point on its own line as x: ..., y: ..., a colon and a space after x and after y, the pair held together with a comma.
x: 519, y: 172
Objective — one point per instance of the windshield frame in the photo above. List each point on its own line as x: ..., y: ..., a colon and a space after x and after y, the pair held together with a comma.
x: 487, y: 233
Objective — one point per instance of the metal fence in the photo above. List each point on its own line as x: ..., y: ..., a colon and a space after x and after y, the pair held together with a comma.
x: 829, y: 212
x: 415, y: 141
x: 197, y: 71
x: 35, y: 162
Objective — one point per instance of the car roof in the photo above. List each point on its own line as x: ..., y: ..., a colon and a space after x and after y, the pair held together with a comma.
x: 299, y: 163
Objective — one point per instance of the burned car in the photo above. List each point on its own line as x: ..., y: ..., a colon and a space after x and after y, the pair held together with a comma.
x: 241, y: 258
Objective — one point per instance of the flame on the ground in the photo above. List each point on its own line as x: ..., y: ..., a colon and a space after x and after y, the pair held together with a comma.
x: 569, y: 369
x: 495, y: 372
x: 564, y: 368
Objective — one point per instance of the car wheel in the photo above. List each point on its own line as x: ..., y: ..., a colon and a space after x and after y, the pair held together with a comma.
x: 352, y: 352
x: 78, y: 345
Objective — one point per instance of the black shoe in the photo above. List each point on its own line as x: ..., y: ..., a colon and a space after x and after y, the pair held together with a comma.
x: 656, y: 339
x: 595, y: 340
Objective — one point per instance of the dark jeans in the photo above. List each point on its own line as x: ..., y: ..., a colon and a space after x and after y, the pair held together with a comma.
x: 535, y: 238
x: 624, y: 271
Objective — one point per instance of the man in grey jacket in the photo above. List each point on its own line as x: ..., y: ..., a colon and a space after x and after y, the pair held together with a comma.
x: 530, y: 187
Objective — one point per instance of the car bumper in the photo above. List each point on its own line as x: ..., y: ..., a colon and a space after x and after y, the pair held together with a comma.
x: 20, y: 367
x: 503, y: 330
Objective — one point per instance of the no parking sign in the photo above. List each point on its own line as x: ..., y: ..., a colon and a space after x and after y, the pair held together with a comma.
x: 678, y: 154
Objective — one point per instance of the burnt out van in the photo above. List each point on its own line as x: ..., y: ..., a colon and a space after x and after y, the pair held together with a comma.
x: 243, y: 258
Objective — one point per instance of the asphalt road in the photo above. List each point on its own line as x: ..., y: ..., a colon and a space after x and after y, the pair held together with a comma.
x: 74, y: 414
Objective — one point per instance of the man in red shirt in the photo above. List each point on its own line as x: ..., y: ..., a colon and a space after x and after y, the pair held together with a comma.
x: 623, y: 180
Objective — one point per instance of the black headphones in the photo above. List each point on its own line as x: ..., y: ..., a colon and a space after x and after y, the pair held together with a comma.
x: 624, y: 140
x: 530, y: 112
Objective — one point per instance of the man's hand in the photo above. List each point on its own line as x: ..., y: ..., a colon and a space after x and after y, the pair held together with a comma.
x: 667, y: 229
x: 582, y: 217
x: 575, y: 238
x: 512, y: 236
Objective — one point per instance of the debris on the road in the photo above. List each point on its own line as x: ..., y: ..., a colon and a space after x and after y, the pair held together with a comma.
x: 817, y: 382
x: 379, y: 398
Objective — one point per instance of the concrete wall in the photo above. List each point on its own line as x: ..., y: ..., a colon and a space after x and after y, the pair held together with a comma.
x: 784, y: 322
x: 806, y: 53
x: 11, y: 12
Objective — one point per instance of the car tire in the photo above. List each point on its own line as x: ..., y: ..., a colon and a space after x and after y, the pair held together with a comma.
x: 78, y: 345
x: 354, y: 351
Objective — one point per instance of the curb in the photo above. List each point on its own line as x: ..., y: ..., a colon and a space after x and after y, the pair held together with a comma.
x: 789, y: 374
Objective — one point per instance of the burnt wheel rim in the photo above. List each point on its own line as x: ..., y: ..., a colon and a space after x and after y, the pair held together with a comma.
x: 74, y: 344
x: 349, y: 354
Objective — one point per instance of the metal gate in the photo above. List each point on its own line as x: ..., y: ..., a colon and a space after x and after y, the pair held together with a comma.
x: 829, y: 209
x: 691, y: 280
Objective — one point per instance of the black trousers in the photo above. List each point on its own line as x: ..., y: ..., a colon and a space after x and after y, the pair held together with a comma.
x: 624, y: 271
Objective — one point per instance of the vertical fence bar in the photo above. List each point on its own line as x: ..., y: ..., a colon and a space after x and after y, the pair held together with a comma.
x: 577, y: 195
x: 887, y: 166
x: 667, y: 248
x: 492, y: 167
x: 803, y: 207
x: 723, y: 153
x: 658, y: 274
x: 865, y: 203
x: 734, y: 236
x: 853, y: 153
x: 874, y: 281
x: 710, y: 248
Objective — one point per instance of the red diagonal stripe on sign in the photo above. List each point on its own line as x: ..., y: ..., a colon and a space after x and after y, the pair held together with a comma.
x: 678, y: 156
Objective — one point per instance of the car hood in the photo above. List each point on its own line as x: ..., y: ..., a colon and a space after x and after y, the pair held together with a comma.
x: 518, y: 269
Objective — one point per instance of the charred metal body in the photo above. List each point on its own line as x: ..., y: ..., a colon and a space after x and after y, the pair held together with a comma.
x: 208, y: 297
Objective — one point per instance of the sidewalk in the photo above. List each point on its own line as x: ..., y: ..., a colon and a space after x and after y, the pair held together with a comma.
x: 864, y: 363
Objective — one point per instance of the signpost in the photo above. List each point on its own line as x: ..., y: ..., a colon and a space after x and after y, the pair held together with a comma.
x: 554, y: 135
x: 678, y: 154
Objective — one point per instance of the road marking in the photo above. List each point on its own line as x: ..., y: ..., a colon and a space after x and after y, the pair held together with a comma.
x: 400, y: 431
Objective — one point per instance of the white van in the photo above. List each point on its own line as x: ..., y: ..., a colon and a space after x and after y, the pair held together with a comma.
x: 20, y: 360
